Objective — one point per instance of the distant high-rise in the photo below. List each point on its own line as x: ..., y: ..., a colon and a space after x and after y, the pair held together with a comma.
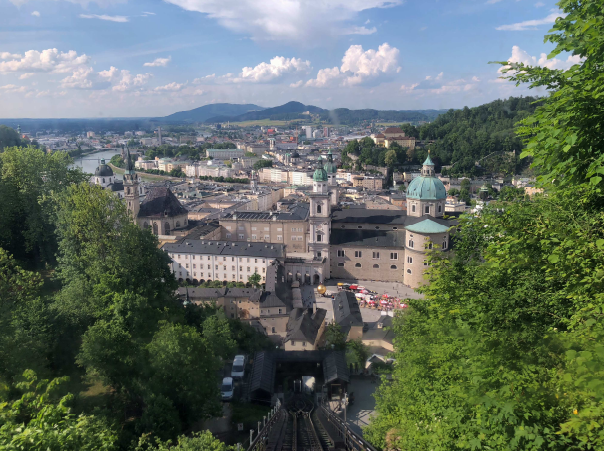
x: 325, y: 132
x: 159, y: 135
x: 308, y: 130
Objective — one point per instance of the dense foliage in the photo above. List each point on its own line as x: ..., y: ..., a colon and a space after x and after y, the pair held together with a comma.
x: 461, y: 138
x: 263, y: 164
x: 505, y: 351
x: 108, y: 318
x: 8, y: 137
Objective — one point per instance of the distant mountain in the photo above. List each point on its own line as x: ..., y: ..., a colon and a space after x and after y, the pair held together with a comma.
x: 289, y: 111
x: 297, y: 110
x: 205, y: 112
x: 346, y: 116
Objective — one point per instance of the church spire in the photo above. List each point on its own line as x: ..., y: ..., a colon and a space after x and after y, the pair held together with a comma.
x: 129, y: 164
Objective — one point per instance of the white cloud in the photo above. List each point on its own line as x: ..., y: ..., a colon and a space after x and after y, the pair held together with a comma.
x: 439, y: 85
x: 205, y: 79
x: 359, y: 66
x: 26, y: 75
x: 475, y: 78
x: 147, y: 12
x: 531, y: 24
x: 159, y: 62
x: 521, y: 56
x: 293, y: 20
x: 13, y: 88
x: 492, y: 2
x: 275, y: 69
x: 9, y: 56
x: 80, y: 79
x: 50, y: 60
x: 170, y: 87
x: 539, y: 4
x: 36, y: 13
x: 359, y: 30
x: 297, y: 84
x: 120, y: 19
x: 325, y: 77
x: 128, y: 82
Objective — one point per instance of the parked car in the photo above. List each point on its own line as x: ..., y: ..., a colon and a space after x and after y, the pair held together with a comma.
x: 238, y: 370
x: 227, y: 389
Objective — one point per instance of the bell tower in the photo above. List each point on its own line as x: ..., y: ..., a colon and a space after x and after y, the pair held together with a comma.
x: 131, y: 191
x: 320, y: 217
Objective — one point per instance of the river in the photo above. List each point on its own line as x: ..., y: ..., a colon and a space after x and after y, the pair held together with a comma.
x: 90, y: 162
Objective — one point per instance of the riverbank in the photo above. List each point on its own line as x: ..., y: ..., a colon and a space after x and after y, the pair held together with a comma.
x: 144, y: 175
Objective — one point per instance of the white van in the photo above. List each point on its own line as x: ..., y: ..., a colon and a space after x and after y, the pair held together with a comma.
x: 238, y: 370
x: 227, y: 389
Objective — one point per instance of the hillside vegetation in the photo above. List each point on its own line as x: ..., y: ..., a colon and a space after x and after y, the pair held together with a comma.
x: 506, y: 350
x: 464, y: 137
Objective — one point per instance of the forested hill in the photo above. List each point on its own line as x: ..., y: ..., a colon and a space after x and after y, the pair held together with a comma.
x: 465, y: 136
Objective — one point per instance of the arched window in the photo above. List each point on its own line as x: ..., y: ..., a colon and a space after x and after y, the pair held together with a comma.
x: 429, y: 245
x: 128, y: 191
x: 145, y: 225
x: 357, y: 265
x: 440, y: 208
x: 103, y: 179
x: 444, y: 244
x: 376, y: 266
x: 318, y: 208
x: 408, y: 271
x: 155, y: 231
x: 411, y: 243
x: 412, y: 208
x: 377, y: 227
x: 177, y: 224
x: 167, y: 228
x: 392, y: 266
x: 427, y: 209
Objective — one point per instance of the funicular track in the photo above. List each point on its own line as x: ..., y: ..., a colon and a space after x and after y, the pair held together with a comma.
x: 298, y: 432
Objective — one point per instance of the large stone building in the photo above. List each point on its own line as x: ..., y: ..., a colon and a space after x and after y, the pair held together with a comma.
x: 200, y: 260
x: 160, y: 211
x: 392, y: 245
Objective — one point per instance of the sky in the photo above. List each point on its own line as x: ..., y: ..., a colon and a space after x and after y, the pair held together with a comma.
x: 130, y: 58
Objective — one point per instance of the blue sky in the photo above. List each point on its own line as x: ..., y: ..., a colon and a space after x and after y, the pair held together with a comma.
x: 117, y: 58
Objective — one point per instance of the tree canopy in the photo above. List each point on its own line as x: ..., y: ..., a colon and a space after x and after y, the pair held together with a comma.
x: 505, y: 350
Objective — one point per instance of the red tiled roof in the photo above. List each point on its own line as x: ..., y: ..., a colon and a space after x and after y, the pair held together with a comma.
x: 393, y: 130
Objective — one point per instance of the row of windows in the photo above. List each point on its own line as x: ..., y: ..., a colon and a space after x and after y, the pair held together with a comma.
x: 375, y: 254
x: 427, y: 209
x: 376, y: 227
x: 224, y: 276
x: 358, y: 265
x: 224, y: 259
x: 426, y: 246
x: 232, y: 268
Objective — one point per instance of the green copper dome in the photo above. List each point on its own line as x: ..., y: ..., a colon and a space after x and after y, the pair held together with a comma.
x: 330, y: 167
x: 427, y: 186
x: 320, y: 175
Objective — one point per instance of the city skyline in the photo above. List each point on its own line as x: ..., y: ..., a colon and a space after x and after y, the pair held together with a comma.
x: 125, y: 58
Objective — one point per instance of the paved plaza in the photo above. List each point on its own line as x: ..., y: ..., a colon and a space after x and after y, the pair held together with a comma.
x: 310, y: 295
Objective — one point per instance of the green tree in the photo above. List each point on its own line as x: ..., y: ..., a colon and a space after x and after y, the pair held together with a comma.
x: 453, y: 192
x: 390, y: 158
x: 42, y: 421
x: 26, y: 325
x: 334, y: 337
x: 29, y: 178
x: 254, y: 279
x: 199, y: 441
x: 402, y: 187
x: 8, y: 137
x: 117, y: 161
x: 562, y: 139
x: 357, y: 352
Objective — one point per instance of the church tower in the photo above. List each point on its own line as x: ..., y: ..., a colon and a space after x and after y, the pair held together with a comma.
x: 131, y: 191
x: 320, y: 217
x: 426, y: 194
x: 331, y: 170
